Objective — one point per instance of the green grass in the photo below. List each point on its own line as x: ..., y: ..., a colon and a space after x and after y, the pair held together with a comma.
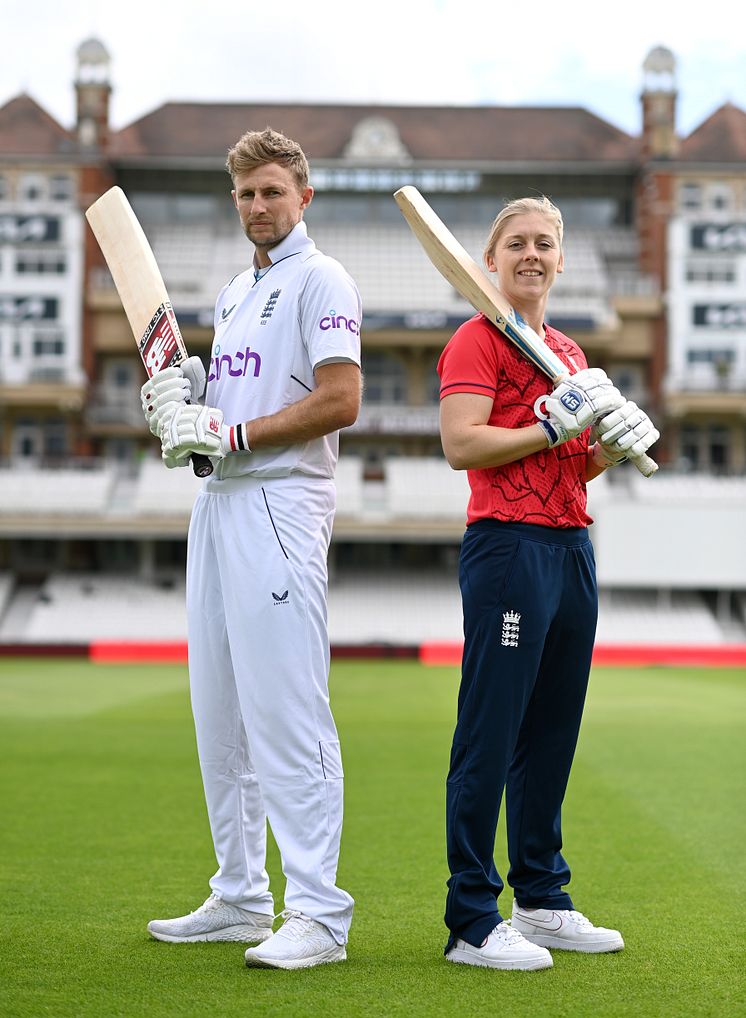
x: 103, y: 827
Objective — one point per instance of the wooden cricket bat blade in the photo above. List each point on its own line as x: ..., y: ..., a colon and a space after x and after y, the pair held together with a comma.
x: 141, y: 289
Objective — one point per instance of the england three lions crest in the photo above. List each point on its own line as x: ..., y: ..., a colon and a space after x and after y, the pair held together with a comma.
x: 511, y: 629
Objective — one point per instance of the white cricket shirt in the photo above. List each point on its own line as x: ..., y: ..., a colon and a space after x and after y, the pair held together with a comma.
x: 270, y: 334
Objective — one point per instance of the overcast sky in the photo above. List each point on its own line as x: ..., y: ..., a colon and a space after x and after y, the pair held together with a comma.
x: 452, y: 52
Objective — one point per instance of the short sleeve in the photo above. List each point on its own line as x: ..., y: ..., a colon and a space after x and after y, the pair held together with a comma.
x: 470, y: 360
x: 331, y: 313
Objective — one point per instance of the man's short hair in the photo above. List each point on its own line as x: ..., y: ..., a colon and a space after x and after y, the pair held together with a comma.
x: 257, y: 148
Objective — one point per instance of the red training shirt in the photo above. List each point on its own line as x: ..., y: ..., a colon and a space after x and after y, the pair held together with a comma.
x: 546, y: 488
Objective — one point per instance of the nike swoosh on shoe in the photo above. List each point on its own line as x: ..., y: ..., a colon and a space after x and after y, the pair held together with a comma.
x: 555, y: 920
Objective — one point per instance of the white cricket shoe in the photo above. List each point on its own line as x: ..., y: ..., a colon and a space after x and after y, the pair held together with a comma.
x: 504, y: 948
x: 214, y: 920
x: 564, y: 929
x: 299, y: 943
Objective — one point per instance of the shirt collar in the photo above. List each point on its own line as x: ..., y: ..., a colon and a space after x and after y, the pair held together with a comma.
x: 295, y: 242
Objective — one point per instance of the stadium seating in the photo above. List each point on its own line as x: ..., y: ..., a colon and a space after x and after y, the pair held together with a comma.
x: 80, y: 608
x: 349, y: 483
x: 425, y: 488
x: 649, y: 617
x: 67, y: 491
x: 162, y: 492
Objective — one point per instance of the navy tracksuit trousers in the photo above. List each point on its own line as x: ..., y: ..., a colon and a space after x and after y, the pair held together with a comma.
x: 530, y: 608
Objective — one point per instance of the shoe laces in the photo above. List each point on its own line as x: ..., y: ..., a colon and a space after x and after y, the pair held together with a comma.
x: 578, y: 918
x: 505, y: 933
x: 296, y: 926
x: 211, y: 903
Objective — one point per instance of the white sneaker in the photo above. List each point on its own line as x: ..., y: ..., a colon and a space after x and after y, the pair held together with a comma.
x: 214, y: 920
x: 298, y: 944
x: 564, y: 929
x: 504, y: 948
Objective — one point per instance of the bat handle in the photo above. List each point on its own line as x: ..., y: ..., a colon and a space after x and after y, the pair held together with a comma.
x: 645, y: 465
x: 201, y: 465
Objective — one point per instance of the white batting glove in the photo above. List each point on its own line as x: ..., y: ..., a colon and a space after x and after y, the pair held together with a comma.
x: 567, y: 411
x: 626, y: 432
x: 194, y: 371
x: 593, y: 382
x: 165, y: 388
x: 189, y: 428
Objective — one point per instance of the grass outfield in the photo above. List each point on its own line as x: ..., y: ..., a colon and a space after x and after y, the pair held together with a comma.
x: 103, y: 828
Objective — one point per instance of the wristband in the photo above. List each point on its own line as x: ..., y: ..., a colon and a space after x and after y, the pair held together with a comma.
x: 237, y: 439
x: 552, y: 436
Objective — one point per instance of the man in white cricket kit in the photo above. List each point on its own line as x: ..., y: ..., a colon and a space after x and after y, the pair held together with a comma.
x: 284, y: 377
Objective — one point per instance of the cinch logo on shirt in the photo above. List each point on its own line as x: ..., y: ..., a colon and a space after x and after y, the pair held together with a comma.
x: 237, y: 365
x: 335, y: 321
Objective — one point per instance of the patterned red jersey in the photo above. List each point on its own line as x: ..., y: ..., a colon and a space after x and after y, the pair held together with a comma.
x: 546, y: 488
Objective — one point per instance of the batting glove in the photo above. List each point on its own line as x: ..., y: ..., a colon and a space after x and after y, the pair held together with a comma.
x: 182, y: 383
x: 626, y: 432
x: 567, y: 411
x: 190, y: 428
x: 165, y: 389
x: 594, y: 383
x: 194, y: 371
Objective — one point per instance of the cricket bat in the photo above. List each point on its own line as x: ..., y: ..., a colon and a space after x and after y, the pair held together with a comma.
x: 462, y: 272
x: 141, y: 289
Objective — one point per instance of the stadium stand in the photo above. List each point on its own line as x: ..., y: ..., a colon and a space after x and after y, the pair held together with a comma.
x: 651, y: 592
x: 67, y: 491
x: 391, y: 608
x: 79, y: 608
x: 349, y: 482
x: 389, y: 266
x: 161, y: 492
x: 424, y: 488
x: 652, y: 617
x: 7, y: 583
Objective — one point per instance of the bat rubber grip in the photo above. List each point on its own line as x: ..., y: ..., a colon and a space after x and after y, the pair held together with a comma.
x: 201, y: 465
x: 645, y: 465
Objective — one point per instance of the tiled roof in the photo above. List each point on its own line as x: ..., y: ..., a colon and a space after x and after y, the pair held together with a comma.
x: 719, y: 139
x: 28, y: 130
x: 452, y: 134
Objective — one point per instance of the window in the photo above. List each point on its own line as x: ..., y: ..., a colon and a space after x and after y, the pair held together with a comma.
x: 48, y: 344
x: 706, y: 448
x: 710, y: 271
x: 720, y: 196
x: 716, y: 357
x: 32, y: 187
x: 690, y: 196
x: 40, y: 263
x: 385, y: 379
x: 55, y: 442
x: 61, y: 188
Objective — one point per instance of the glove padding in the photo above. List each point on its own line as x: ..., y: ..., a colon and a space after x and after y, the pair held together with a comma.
x: 164, y: 389
x: 182, y: 383
x: 569, y: 409
x: 189, y: 428
x: 626, y: 432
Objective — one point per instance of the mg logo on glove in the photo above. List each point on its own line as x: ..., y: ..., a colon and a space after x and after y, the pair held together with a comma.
x: 572, y: 400
x: 213, y: 425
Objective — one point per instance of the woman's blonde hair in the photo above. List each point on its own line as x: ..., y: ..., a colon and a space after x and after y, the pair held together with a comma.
x: 523, y: 207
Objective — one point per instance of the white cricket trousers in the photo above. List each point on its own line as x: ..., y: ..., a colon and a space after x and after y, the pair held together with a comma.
x: 258, y: 669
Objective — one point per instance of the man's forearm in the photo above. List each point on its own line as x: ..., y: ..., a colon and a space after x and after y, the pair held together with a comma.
x: 319, y: 413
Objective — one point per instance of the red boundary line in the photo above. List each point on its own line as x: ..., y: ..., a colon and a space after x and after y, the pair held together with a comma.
x: 430, y: 653
x: 729, y: 655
